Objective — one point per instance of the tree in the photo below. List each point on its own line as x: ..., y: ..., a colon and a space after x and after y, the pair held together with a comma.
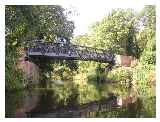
x: 116, y: 32
x: 30, y: 21
x: 25, y: 23
x: 147, y: 35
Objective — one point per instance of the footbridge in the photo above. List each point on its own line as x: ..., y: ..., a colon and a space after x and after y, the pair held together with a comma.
x: 67, y: 51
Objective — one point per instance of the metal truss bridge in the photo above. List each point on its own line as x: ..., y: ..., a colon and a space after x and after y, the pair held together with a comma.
x: 65, y: 51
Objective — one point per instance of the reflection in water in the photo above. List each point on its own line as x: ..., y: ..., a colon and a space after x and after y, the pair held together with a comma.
x: 19, y: 102
x: 47, y: 103
x: 80, y: 111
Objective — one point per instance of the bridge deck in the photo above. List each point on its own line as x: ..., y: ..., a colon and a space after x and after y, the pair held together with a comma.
x: 73, y: 52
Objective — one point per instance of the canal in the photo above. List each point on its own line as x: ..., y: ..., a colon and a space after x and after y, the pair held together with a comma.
x: 74, y: 101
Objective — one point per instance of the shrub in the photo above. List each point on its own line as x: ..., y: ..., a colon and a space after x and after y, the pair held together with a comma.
x: 120, y: 74
x: 142, y: 74
x: 148, y: 57
x: 14, y: 78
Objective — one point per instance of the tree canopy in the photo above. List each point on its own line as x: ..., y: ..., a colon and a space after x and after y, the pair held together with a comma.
x: 123, y: 31
x: 25, y: 23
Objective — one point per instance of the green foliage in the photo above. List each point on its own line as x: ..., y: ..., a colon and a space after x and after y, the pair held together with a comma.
x: 147, y: 33
x: 82, y: 40
x: 88, y: 93
x: 148, y: 57
x: 25, y: 23
x: 120, y: 74
x: 67, y: 95
x: 30, y: 21
x: 142, y: 108
x: 148, y: 17
x: 149, y: 107
x: 142, y: 75
x: 146, y: 68
x: 149, y: 54
x: 128, y: 33
x: 116, y: 32
x: 14, y: 78
x: 122, y: 32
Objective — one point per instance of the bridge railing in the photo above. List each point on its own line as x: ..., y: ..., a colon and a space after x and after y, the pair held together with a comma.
x: 70, y: 51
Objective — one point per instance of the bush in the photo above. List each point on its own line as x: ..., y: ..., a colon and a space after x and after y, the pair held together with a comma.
x: 14, y: 78
x: 88, y: 93
x: 120, y: 74
x: 148, y: 57
x: 149, y: 107
x: 142, y: 75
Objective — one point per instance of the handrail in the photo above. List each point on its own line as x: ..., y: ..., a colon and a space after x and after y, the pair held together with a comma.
x: 70, y: 51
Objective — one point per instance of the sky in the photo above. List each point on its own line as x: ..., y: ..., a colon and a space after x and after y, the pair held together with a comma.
x: 89, y: 11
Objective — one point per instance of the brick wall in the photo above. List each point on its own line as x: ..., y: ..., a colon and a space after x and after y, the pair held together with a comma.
x: 31, y: 70
x: 126, y: 61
